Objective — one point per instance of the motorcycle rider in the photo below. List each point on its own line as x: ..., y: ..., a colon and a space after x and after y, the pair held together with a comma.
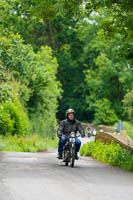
x: 70, y: 124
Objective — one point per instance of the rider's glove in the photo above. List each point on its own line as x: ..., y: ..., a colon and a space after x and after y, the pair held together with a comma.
x: 83, y: 135
x: 59, y: 135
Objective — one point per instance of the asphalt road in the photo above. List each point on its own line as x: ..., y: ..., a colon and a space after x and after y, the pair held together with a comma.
x: 40, y: 176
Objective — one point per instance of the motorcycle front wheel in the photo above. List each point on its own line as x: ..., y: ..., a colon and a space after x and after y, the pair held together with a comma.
x: 65, y: 158
x: 72, y: 158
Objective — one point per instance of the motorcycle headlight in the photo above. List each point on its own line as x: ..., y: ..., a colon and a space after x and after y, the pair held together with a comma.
x: 72, y: 134
x: 72, y: 139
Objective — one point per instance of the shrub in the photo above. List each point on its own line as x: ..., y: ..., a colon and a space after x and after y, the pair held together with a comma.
x: 13, y: 119
x: 6, y: 123
x: 112, y: 154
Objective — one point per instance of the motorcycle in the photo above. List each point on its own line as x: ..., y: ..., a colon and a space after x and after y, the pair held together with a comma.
x: 69, y: 150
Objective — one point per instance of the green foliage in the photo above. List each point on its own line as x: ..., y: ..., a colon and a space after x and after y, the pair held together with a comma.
x: 128, y: 104
x: 51, y: 23
x: 117, y: 16
x: 51, y: 9
x: 6, y: 123
x: 3, y: 74
x: 103, y: 113
x: 34, y: 78
x: 112, y: 75
x: 9, y: 89
x: 112, y: 154
x: 5, y: 92
x: 44, y: 124
x: 36, y: 71
x: 13, y: 119
x: 92, y: 41
x: 129, y: 128
x: 31, y: 143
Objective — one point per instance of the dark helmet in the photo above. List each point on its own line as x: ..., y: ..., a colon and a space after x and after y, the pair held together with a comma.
x: 70, y: 111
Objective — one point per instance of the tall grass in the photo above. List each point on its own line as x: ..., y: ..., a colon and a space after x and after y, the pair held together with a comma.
x: 129, y: 128
x: 31, y: 143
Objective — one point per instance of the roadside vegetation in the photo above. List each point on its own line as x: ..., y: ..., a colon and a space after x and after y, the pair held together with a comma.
x: 112, y: 154
x: 129, y: 129
x: 28, y: 96
x: 60, y: 54
x: 31, y: 143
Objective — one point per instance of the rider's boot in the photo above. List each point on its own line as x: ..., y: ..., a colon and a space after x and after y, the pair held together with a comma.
x: 59, y: 155
x: 76, y: 156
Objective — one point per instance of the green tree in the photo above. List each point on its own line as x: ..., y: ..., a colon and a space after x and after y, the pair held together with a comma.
x: 37, y: 74
x: 104, y: 114
x: 92, y: 41
x: 52, y: 23
x: 13, y: 115
x: 128, y: 104
x: 108, y: 70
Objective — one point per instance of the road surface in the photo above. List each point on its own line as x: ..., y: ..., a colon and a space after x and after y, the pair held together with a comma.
x: 40, y: 176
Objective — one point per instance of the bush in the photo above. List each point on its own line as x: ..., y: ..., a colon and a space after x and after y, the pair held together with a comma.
x: 6, y: 123
x: 112, y: 154
x: 13, y: 119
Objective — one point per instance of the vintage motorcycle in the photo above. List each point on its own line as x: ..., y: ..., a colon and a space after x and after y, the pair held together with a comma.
x: 69, y: 150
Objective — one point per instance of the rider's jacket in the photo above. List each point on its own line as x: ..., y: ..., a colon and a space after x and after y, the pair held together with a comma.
x: 67, y: 126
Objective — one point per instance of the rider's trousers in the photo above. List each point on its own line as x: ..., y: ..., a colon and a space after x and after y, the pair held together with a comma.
x: 63, y: 140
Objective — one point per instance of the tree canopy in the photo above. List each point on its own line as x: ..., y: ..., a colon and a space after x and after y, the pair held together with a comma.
x: 84, y: 47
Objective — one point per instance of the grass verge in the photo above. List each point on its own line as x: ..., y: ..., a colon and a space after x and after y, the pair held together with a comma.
x: 112, y: 154
x: 32, y: 143
x: 129, y: 128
